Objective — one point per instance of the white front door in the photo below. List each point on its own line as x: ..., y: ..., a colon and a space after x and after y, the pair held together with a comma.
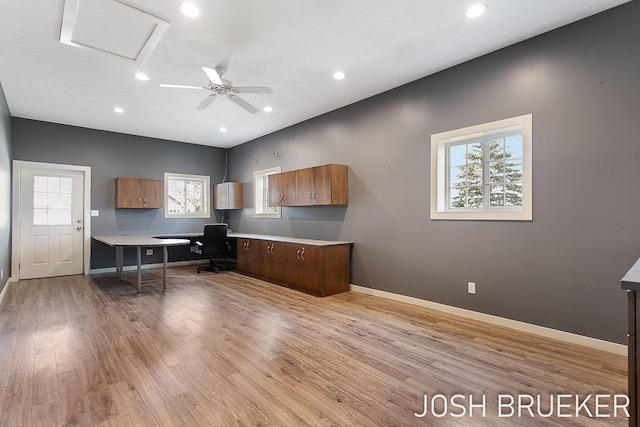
x: 51, y: 222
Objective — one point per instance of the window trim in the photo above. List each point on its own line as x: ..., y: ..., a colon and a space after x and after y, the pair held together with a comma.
x: 256, y: 193
x: 206, y: 213
x: 438, y: 197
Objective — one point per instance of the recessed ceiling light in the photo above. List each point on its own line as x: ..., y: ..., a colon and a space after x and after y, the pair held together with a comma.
x: 189, y: 10
x: 268, y: 108
x: 476, y: 10
x: 223, y: 129
x: 118, y: 110
x: 141, y: 76
x: 339, y: 75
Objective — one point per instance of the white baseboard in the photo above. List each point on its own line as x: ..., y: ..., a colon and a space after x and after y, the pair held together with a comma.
x: 4, y: 290
x: 594, y: 343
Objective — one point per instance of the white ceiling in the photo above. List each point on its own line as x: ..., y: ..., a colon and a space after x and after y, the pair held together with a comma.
x: 292, y: 46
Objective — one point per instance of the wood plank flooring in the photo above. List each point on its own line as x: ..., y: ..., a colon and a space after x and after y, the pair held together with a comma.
x: 228, y: 350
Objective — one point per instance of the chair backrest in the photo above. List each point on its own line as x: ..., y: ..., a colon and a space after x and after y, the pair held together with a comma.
x: 214, y: 240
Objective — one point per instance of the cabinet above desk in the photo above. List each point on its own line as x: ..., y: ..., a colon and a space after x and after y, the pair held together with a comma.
x: 139, y: 193
x: 315, y: 186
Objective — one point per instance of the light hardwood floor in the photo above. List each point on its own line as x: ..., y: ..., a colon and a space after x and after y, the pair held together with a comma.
x: 228, y: 350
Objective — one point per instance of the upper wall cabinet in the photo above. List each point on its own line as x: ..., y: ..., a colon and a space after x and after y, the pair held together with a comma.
x: 320, y: 185
x: 282, y: 189
x: 227, y: 195
x: 139, y: 193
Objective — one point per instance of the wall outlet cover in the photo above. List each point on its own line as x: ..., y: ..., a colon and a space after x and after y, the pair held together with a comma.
x: 471, y: 287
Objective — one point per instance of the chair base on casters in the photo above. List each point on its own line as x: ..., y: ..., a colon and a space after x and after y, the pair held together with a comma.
x: 211, y: 267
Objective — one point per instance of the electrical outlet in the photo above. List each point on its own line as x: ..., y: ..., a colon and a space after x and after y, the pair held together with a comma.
x: 149, y: 251
x: 471, y: 287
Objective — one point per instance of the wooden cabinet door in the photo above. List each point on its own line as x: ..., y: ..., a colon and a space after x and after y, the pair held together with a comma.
x: 322, y: 185
x: 139, y: 193
x: 247, y: 256
x: 153, y: 195
x: 129, y: 192
x: 303, y: 267
x: 271, y: 260
x: 331, y: 185
x: 322, y: 189
x: 282, y: 189
x: 304, y: 187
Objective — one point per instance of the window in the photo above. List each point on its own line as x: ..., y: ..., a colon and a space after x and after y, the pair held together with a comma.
x: 52, y: 200
x: 261, y: 208
x: 186, y: 196
x: 483, y: 172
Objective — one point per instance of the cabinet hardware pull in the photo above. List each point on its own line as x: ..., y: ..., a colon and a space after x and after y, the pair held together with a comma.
x: 302, y: 254
x: 298, y: 254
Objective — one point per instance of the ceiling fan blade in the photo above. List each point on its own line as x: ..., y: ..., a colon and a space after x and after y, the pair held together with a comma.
x: 253, y: 89
x: 244, y: 104
x: 183, y: 86
x: 207, y: 101
x: 213, y: 76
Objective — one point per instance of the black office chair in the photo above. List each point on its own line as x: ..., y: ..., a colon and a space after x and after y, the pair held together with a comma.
x: 213, y: 245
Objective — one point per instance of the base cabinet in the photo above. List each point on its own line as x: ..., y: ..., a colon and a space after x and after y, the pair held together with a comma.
x: 319, y: 270
x: 247, y: 256
x: 303, y: 270
x: 271, y: 258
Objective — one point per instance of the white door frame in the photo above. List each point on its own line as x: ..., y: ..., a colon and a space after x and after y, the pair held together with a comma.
x: 18, y: 165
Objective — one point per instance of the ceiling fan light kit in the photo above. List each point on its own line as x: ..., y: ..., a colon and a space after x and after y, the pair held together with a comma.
x: 219, y: 87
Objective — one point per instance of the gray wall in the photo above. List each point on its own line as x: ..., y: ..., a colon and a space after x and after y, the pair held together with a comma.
x: 111, y: 155
x: 5, y: 190
x: 562, y: 270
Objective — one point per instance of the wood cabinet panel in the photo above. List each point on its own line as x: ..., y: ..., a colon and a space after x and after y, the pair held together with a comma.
x: 303, y: 267
x: 271, y: 260
x: 319, y: 270
x: 282, y: 189
x: 247, y: 256
x: 139, y: 193
x: 227, y: 195
x: 319, y: 185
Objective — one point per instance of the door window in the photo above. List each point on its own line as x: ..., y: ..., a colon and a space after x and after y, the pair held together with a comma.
x: 52, y: 200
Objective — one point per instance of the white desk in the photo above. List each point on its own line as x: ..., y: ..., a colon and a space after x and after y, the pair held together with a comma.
x: 139, y: 242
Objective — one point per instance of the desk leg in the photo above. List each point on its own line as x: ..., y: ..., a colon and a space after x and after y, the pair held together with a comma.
x: 119, y: 262
x: 139, y: 255
x: 164, y: 268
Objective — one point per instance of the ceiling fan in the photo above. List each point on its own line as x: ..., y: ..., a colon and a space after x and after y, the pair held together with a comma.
x: 219, y: 87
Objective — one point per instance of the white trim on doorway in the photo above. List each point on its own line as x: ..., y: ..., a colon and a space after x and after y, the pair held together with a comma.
x: 18, y: 165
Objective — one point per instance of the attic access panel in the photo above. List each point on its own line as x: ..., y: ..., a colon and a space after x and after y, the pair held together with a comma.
x: 111, y: 27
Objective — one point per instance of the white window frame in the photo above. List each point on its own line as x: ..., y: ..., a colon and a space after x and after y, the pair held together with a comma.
x: 260, y: 194
x: 439, y: 193
x: 206, y: 198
